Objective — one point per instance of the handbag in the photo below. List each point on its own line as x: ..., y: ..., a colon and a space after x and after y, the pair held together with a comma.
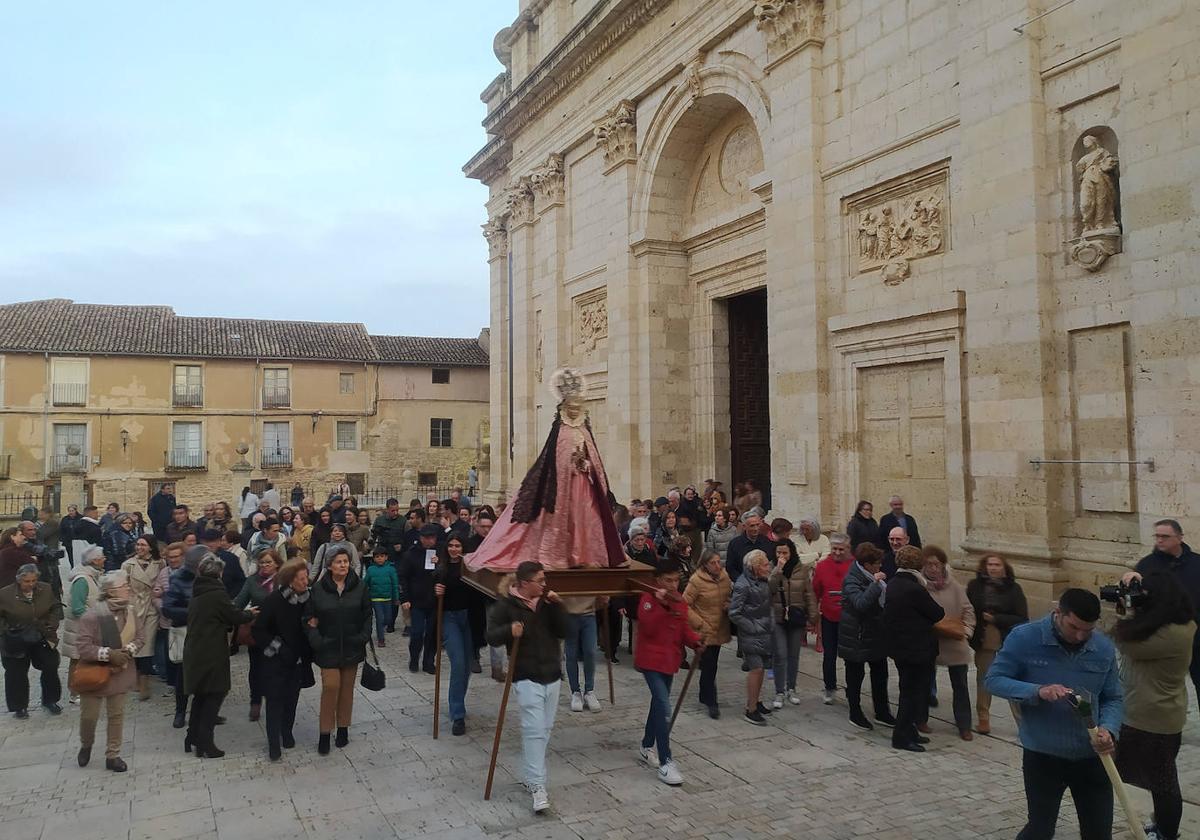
x: 951, y: 627
x: 175, y: 639
x: 89, y: 677
x: 20, y: 640
x: 793, y: 617
x: 373, y: 678
x: 244, y: 637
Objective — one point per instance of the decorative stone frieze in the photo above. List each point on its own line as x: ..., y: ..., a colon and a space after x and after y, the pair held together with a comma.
x: 790, y: 25
x: 548, y: 183
x: 496, y: 234
x: 616, y: 134
x: 518, y: 202
x: 897, y: 224
x: 591, y: 319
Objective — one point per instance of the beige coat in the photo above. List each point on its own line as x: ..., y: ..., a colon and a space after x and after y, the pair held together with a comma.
x: 797, y: 592
x: 141, y: 605
x: 92, y: 641
x: 70, y: 625
x: 708, y: 606
x: 953, y: 599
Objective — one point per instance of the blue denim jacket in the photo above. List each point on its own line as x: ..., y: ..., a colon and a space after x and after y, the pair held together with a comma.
x: 1032, y: 657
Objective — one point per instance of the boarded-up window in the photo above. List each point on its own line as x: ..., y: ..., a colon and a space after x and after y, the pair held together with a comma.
x: 1101, y: 415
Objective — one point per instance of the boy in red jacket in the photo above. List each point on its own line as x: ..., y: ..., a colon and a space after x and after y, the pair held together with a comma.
x: 827, y: 587
x: 663, y: 632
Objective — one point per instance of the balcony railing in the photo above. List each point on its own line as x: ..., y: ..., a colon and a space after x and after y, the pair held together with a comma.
x: 279, y: 397
x: 187, y: 395
x: 69, y: 393
x: 60, y: 464
x: 277, y: 457
x: 186, y: 459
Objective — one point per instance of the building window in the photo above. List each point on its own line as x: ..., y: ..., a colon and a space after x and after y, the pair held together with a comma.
x: 439, y: 431
x: 345, y: 383
x: 441, y: 376
x: 70, y: 448
x: 277, y: 445
x: 427, y: 479
x: 187, y: 447
x: 187, y: 389
x: 69, y: 381
x: 277, y: 390
x: 347, y: 434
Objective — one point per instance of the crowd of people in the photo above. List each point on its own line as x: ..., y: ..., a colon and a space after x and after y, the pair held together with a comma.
x: 308, y: 590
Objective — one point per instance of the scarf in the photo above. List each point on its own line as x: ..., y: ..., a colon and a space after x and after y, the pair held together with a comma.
x: 920, y: 577
x: 939, y: 584
x: 293, y: 597
x: 267, y: 582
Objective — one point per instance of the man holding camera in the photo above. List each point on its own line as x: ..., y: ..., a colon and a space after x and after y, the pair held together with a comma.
x: 1040, y: 666
x: 1172, y: 555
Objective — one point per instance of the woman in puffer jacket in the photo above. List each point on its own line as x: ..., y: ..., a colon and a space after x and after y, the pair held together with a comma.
x: 750, y: 611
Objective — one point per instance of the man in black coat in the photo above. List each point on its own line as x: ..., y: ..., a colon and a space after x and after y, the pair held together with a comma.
x: 1171, y: 554
x: 751, y: 538
x: 897, y: 518
x: 388, y: 530
x: 161, y: 509
x: 416, y: 595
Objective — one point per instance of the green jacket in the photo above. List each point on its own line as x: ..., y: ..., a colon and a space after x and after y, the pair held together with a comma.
x: 383, y: 582
x: 1154, y: 675
x: 253, y: 593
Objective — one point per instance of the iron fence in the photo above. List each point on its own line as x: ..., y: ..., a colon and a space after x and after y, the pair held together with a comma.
x: 13, y: 504
x: 276, y: 458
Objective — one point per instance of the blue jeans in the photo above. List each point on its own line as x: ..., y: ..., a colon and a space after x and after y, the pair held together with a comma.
x: 581, y: 644
x: 456, y: 639
x: 538, y: 704
x: 383, y: 617
x: 658, y: 719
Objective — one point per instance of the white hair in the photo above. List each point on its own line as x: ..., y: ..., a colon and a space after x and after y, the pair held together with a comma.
x: 838, y: 537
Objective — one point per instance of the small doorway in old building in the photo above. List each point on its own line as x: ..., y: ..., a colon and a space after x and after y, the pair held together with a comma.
x: 749, y: 393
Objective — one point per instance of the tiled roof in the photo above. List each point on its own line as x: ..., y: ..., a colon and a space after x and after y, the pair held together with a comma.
x: 418, y: 350
x: 63, y: 326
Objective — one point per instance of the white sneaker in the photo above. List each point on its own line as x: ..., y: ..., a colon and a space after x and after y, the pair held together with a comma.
x: 576, y: 702
x: 793, y: 697
x: 591, y: 701
x: 541, y: 799
x: 669, y: 774
x: 828, y: 697
x: 778, y: 702
x: 73, y: 699
x: 647, y: 756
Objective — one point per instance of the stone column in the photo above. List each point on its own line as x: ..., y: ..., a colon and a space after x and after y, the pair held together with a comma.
x: 497, y: 483
x: 551, y: 325
x: 239, y: 476
x: 519, y: 201
x: 72, y: 490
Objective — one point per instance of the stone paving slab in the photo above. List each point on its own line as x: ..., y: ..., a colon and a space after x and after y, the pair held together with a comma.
x: 809, y: 773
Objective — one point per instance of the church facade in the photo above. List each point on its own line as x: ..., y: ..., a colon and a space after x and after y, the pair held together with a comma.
x: 856, y: 248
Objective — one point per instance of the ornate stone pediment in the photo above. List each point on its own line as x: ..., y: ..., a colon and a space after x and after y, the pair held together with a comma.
x: 518, y: 202
x: 616, y: 134
x: 790, y: 24
x: 548, y: 182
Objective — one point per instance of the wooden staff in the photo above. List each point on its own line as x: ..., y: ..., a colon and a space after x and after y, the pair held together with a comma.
x: 612, y: 695
x: 687, y: 681
x: 512, y: 661
x: 437, y: 670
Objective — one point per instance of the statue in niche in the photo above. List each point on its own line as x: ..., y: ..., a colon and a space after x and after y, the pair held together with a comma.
x: 1097, y: 189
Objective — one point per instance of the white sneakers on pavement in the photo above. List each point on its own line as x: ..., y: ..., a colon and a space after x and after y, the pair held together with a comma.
x: 648, y: 756
x: 828, y: 697
x: 576, y: 702
x: 541, y: 799
x: 793, y: 697
x: 669, y: 774
x: 777, y: 703
x: 591, y: 701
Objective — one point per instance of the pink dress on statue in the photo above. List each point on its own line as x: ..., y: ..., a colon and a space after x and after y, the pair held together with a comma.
x: 561, y: 514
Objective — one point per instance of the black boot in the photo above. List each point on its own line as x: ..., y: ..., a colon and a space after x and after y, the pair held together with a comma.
x: 288, y: 740
x: 323, y: 744
x: 180, y: 720
x: 343, y: 737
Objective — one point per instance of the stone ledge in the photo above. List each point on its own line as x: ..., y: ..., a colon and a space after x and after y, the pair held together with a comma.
x: 955, y: 301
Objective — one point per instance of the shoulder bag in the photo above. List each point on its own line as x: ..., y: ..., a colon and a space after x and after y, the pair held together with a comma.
x: 372, y: 678
x: 175, y: 639
x: 793, y: 617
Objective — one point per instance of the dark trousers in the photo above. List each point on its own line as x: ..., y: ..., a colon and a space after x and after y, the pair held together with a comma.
x: 961, y: 694
x: 1047, y: 777
x: 913, y: 704
x: 1195, y: 671
x: 282, y: 686
x: 181, y: 699
x: 421, y: 637
x: 855, y: 671
x: 205, y: 709
x: 708, y: 675
x: 256, y: 677
x: 16, y: 677
x: 829, y: 642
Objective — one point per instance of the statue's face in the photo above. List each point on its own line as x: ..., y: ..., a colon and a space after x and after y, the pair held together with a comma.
x: 573, y: 408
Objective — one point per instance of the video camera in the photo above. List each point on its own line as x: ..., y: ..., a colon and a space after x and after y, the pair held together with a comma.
x: 1125, y: 596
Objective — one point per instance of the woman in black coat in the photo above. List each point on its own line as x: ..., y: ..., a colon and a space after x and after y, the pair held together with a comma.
x: 211, y: 615
x: 286, y: 657
x: 909, y: 614
x: 862, y: 640
x: 999, y: 605
x: 338, y: 619
x: 862, y: 527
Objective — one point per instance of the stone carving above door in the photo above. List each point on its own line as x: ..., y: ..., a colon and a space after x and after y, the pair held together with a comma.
x: 888, y: 227
x: 590, y: 320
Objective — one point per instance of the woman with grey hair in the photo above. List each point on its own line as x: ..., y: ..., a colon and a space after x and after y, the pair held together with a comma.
x: 83, y: 591
x: 29, y: 617
x: 750, y: 612
x: 109, y: 633
x: 811, y: 544
x: 210, y: 617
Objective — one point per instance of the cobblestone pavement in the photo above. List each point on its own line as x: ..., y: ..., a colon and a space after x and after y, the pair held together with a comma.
x: 808, y: 774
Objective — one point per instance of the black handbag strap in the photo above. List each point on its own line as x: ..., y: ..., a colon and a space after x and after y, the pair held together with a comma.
x: 374, y: 656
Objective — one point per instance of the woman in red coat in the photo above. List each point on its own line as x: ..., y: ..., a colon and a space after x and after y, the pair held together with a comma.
x: 663, y: 632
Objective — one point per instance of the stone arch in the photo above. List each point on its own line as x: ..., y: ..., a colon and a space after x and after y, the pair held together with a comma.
x: 680, y: 126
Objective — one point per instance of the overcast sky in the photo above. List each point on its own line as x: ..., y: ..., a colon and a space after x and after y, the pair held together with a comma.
x: 263, y: 159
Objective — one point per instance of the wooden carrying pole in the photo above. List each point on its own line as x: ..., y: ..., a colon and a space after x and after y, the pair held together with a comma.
x: 687, y: 681
x: 437, y: 669
x: 604, y: 643
x: 512, y: 661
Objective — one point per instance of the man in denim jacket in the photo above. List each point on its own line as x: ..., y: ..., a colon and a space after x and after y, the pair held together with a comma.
x: 1041, y: 663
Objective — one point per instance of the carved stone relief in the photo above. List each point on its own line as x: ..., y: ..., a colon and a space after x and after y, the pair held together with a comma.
x: 616, y: 134
x: 518, y: 202
x: 790, y: 24
x: 548, y: 182
x: 539, y: 355
x: 1098, y: 204
x: 496, y: 235
x: 591, y: 319
x: 892, y: 227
